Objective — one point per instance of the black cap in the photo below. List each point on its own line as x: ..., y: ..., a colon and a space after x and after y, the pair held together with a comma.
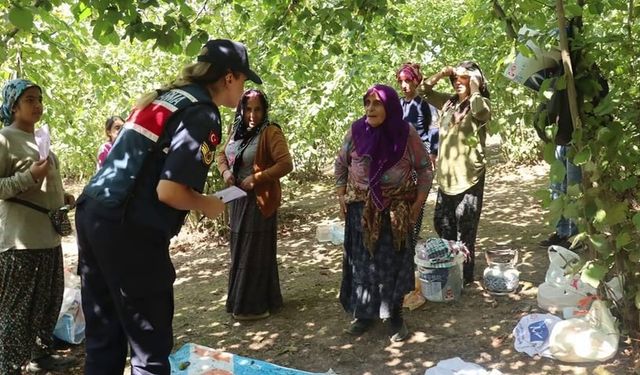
x: 229, y: 54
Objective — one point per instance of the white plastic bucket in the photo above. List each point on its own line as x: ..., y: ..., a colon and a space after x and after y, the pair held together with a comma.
x: 441, y: 284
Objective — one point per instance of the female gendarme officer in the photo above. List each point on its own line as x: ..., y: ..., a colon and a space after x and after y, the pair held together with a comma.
x: 138, y: 200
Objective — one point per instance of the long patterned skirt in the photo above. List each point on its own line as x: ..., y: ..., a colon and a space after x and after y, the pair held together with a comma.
x: 254, y: 284
x: 31, y: 288
x: 373, y: 287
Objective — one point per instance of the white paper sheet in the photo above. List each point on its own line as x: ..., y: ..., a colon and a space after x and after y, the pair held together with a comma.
x: 230, y: 193
x: 43, y: 140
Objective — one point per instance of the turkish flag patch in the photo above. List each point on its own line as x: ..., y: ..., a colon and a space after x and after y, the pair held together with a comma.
x: 213, y: 138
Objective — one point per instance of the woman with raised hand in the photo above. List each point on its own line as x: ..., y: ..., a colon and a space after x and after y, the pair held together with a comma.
x: 461, y: 161
x: 31, y: 275
x: 254, y: 158
x: 129, y: 211
x: 381, y: 203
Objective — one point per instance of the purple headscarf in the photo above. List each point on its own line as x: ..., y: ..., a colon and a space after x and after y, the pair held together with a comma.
x: 384, y: 144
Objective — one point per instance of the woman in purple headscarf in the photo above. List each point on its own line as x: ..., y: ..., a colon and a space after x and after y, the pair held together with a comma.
x: 380, y: 202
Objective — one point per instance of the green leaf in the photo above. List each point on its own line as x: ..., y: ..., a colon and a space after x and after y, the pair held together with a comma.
x: 596, y: 7
x: 21, y: 18
x: 543, y: 196
x: 574, y: 190
x: 593, y: 273
x: 636, y: 220
x: 572, y: 10
x: 549, y: 153
x: 600, y: 243
x: 622, y: 239
x: 3, y: 54
x: 557, y: 171
x: 194, y: 46
x: 617, y: 213
x: 582, y: 157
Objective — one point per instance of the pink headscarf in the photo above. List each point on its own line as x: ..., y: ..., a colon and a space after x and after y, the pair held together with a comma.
x: 412, y: 71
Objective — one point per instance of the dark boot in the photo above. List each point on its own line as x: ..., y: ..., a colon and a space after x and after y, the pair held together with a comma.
x: 359, y: 326
x: 50, y: 362
x: 397, y: 328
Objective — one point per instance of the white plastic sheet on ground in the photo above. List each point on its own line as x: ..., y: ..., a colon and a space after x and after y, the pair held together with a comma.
x: 193, y: 359
x: 531, y: 334
x: 456, y: 366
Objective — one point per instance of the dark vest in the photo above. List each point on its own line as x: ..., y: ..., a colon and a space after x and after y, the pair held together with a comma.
x: 114, y: 181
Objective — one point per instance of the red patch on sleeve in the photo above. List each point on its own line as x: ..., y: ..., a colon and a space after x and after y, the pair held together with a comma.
x: 213, y: 138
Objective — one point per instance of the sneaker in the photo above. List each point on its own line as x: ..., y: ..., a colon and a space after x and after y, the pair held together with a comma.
x: 359, y: 326
x: 554, y: 239
x: 247, y: 317
x: 50, y: 362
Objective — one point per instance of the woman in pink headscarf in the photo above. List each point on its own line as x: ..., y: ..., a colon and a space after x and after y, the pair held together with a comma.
x: 381, y: 203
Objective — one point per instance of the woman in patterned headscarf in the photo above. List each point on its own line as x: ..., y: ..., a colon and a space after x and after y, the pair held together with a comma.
x: 254, y: 158
x: 29, y: 300
x: 461, y: 162
x: 380, y: 202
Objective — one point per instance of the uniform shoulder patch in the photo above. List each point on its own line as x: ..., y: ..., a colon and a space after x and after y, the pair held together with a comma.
x: 213, y: 138
x: 207, y: 153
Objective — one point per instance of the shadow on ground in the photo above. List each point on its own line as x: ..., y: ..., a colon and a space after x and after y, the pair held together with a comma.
x: 307, y: 334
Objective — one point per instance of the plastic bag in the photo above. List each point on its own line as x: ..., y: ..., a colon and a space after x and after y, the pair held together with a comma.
x: 531, y: 334
x: 561, y: 288
x: 586, y: 339
x: 71, y: 324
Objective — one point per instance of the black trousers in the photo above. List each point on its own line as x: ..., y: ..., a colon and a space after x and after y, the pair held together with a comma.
x: 127, y: 294
x: 456, y: 217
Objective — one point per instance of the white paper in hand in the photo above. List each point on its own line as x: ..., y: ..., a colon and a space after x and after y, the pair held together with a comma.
x: 43, y: 140
x: 230, y: 193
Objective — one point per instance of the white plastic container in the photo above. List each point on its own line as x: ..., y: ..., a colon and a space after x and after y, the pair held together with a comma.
x: 333, y: 232
x: 323, y: 232
x: 442, y: 284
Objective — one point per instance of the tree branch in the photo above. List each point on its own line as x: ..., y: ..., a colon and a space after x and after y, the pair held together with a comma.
x: 568, y: 68
x: 509, y: 27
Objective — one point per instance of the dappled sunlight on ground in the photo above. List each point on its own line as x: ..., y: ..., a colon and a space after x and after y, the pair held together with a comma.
x: 307, y: 333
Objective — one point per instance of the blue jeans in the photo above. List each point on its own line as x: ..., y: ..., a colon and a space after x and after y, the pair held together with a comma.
x: 565, y: 227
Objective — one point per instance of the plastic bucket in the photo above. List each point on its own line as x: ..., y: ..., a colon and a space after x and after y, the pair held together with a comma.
x: 441, y: 284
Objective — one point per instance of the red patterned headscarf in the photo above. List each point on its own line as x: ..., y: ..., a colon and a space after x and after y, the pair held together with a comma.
x: 411, y: 70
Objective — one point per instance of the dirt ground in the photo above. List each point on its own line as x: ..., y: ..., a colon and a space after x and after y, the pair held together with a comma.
x: 307, y: 334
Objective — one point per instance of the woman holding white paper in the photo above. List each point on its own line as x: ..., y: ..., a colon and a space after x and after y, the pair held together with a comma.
x: 29, y: 300
x: 254, y: 158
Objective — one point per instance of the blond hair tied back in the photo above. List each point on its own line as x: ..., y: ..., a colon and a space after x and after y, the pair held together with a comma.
x: 192, y: 73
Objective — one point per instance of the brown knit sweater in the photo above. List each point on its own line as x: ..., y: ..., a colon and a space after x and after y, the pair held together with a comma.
x: 272, y: 162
